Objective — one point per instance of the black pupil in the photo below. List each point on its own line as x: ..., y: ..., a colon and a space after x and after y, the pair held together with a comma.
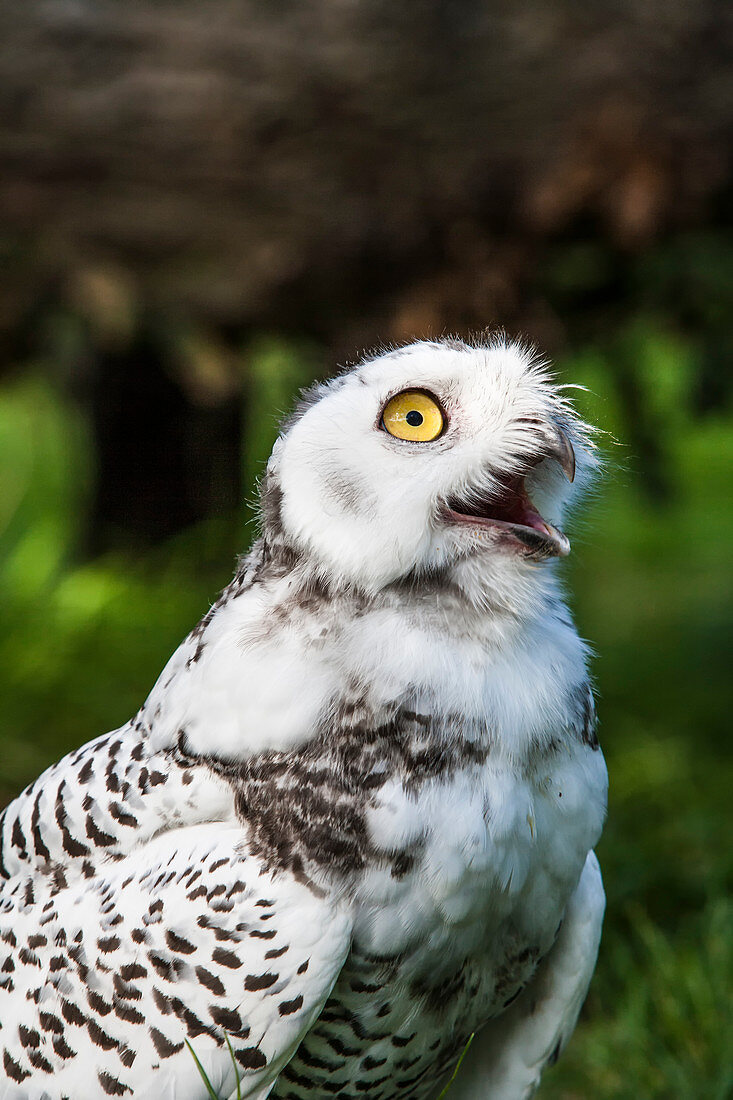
x: 414, y: 418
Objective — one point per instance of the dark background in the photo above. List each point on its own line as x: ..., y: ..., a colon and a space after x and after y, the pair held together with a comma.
x: 204, y: 206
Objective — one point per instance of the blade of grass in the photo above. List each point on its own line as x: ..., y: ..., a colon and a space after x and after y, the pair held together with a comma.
x: 204, y: 1076
x: 458, y: 1066
x: 236, y: 1068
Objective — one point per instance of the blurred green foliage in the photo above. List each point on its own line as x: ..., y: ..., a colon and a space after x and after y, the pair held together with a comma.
x: 81, y: 643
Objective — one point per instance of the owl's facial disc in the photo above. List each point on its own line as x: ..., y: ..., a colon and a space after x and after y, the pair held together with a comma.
x: 434, y: 457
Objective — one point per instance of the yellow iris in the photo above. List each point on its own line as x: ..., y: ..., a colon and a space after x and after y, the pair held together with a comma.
x: 413, y: 415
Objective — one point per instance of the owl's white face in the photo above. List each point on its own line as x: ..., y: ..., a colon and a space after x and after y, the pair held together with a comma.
x: 488, y: 492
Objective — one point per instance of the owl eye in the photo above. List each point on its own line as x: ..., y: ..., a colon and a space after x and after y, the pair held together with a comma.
x: 413, y: 415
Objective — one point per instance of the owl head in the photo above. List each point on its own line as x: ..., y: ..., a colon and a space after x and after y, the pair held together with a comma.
x: 435, y: 458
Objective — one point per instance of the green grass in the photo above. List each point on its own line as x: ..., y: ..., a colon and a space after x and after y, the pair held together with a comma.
x: 444, y: 1092
x: 658, y: 1023
x: 204, y: 1076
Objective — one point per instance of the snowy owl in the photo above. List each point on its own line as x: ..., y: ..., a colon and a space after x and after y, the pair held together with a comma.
x: 352, y: 825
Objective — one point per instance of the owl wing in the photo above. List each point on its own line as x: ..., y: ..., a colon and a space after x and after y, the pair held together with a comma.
x: 104, y: 799
x: 103, y: 979
x: 507, y: 1057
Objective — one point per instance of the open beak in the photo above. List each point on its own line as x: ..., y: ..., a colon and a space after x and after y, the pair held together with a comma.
x: 508, y: 511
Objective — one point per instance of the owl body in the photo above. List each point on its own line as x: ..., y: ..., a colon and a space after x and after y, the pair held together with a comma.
x: 468, y: 890
x: 349, y: 826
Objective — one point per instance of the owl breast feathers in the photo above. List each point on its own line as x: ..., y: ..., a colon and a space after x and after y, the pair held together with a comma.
x: 352, y: 825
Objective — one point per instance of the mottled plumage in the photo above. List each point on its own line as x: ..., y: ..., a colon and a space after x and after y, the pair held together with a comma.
x: 352, y: 824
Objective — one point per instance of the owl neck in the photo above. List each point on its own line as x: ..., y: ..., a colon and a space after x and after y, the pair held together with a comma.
x: 508, y: 590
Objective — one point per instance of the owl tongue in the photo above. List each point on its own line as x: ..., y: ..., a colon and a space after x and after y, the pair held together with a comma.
x: 514, y: 506
x: 511, y: 510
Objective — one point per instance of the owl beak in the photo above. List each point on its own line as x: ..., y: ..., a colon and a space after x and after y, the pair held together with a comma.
x: 513, y: 517
x: 561, y: 449
x: 508, y: 509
